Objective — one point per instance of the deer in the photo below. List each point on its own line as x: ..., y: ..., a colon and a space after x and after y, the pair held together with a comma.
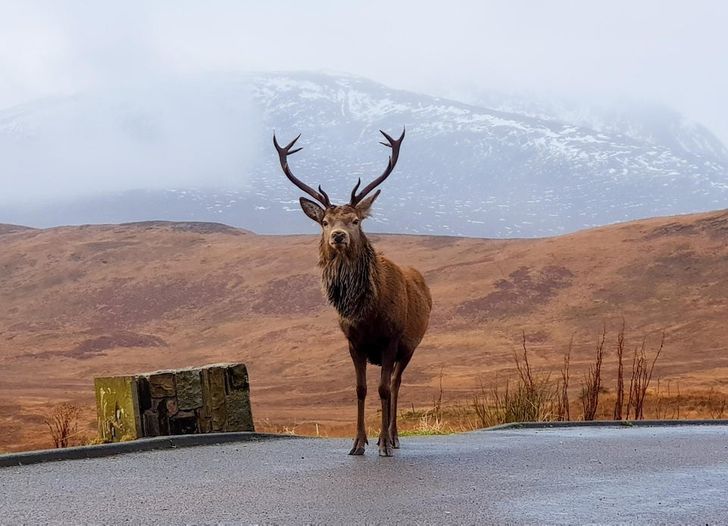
x: 383, y: 309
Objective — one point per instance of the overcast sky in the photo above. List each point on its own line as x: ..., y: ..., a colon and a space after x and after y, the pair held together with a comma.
x: 671, y: 52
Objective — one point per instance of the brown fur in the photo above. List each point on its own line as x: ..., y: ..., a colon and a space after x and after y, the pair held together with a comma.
x: 383, y: 309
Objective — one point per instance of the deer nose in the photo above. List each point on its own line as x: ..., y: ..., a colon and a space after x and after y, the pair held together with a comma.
x: 338, y: 236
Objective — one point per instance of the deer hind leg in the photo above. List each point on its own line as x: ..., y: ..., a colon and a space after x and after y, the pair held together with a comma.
x: 399, y: 368
x: 360, y: 366
x: 385, y: 395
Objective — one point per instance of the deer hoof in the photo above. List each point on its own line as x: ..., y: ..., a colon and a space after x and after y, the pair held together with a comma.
x: 385, y: 451
x: 395, y: 442
x: 358, y: 448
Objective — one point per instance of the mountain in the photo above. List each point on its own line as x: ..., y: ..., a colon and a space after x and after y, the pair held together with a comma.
x: 200, y: 149
x: 86, y: 301
x: 642, y: 121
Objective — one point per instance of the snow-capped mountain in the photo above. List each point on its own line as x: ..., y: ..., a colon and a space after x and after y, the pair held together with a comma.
x: 642, y: 121
x: 464, y: 169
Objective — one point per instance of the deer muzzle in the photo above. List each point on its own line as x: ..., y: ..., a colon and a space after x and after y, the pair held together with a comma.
x: 339, y: 239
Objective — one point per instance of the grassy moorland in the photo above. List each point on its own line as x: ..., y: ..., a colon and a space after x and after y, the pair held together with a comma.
x: 79, y: 302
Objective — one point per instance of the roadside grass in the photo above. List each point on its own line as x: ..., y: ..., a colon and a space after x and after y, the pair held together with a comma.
x: 549, y: 395
x: 529, y: 395
x: 445, y: 420
x: 459, y: 416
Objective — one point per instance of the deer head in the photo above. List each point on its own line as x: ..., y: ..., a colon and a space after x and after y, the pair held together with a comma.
x: 340, y: 224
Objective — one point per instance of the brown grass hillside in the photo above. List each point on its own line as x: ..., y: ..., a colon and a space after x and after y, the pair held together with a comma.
x: 76, y: 302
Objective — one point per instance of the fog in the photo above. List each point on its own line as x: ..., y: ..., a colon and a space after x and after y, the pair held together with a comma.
x: 665, y: 52
x: 160, y: 133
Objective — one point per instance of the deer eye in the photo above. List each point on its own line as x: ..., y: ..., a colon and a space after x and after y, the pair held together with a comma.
x: 325, y: 223
x: 356, y: 221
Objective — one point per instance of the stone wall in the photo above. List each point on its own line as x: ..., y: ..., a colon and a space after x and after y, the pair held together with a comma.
x: 210, y: 399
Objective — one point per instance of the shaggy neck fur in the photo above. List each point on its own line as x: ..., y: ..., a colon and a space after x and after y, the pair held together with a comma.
x: 349, y: 278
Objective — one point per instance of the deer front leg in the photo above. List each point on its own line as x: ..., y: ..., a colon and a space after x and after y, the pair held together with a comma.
x: 360, y: 366
x: 385, y: 394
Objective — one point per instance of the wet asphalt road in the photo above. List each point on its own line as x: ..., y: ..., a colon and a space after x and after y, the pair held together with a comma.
x: 546, y: 476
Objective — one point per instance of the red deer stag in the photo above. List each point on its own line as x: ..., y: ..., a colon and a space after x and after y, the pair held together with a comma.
x: 383, y: 309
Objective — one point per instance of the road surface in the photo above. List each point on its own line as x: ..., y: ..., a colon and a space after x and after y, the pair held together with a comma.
x: 546, y: 476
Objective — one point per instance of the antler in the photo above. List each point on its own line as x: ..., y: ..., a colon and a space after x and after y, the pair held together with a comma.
x: 394, y: 145
x: 283, y: 153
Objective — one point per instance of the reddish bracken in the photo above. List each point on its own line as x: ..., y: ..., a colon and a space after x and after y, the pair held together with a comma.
x: 384, y: 309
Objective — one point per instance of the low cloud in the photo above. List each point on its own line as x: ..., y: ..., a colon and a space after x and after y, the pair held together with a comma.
x: 667, y: 52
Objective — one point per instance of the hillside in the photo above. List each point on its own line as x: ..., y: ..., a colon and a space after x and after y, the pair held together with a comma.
x: 9, y: 229
x: 107, y: 299
x: 200, y: 148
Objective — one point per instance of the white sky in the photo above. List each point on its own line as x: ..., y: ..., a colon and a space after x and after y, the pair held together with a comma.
x: 663, y: 51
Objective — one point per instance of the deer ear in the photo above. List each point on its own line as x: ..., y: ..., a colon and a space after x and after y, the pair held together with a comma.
x: 364, y: 207
x: 312, y: 210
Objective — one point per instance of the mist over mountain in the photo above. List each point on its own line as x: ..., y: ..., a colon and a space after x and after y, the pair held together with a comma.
x: 200, y: 149
x: 639, y: 120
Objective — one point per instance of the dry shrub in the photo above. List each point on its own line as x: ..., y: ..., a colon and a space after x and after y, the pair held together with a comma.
x: 641, y: 377
x: 563, y: 413
x: 63, y: 424
x: 592, y: 381
x: 619, y: 402
x: 667, y: 404
x: 437, y: 402
x: 533, y: 399
x: 486, y: 407
x: 717, y: 405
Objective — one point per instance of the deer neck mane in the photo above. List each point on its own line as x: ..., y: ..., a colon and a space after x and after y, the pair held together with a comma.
x: 349, y: 278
